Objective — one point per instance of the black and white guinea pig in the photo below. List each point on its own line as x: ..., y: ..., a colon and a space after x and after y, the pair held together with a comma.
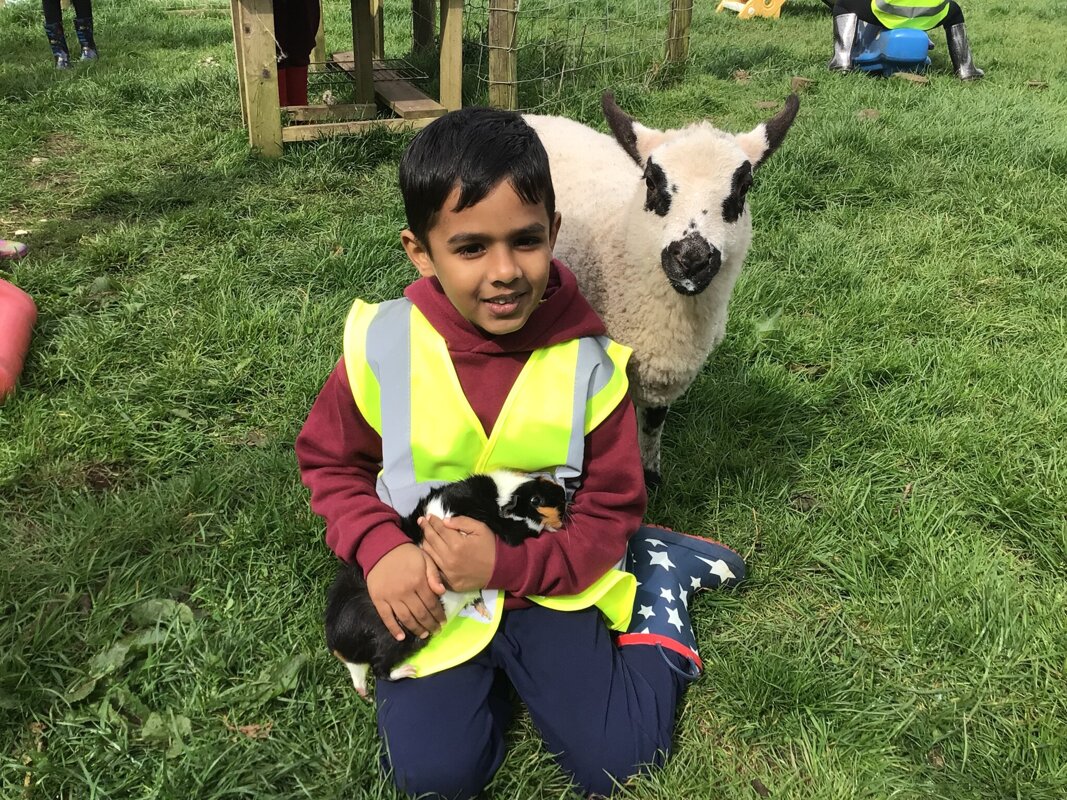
x: 513, y: 506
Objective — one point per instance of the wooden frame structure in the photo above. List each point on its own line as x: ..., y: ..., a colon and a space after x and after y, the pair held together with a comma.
x: 257, y: 75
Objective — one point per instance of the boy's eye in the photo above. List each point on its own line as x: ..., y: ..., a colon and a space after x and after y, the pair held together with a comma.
x: 528, y: 241
x: 470, y: 249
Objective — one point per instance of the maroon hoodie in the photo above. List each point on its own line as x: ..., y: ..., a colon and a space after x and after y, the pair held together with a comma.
x: 340, y: 454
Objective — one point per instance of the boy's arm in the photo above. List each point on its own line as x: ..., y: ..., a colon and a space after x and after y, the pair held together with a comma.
x: 339, y: 456
x: 608, y: 507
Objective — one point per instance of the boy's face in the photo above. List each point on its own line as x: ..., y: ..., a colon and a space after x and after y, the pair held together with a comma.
x: 492, y: 258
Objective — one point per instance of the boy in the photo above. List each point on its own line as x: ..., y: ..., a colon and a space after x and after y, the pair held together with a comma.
x: 494, y: 359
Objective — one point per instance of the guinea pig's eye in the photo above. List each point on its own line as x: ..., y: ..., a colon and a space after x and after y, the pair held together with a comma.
x: 537, y: 501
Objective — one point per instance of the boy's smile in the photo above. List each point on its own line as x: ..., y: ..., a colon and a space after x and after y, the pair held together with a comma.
x: 492, y: 258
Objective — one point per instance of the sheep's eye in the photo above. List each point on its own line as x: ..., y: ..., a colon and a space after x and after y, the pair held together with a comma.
x: 658, y: 199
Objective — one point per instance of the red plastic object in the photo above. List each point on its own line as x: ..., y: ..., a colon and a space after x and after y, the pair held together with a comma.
x: 18, y: 313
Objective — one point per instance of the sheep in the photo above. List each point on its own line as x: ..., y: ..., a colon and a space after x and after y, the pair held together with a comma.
x: 656, y: 227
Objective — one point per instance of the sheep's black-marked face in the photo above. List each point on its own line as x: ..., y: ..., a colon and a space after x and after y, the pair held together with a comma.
x: 696, y: 187
x: 734, y: 204
x: 658, y: 192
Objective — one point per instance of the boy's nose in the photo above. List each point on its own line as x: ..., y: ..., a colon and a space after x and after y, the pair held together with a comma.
x: 504, y: 267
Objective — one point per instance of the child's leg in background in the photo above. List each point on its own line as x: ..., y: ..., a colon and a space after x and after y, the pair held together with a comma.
x: 52, y: 12
x: 444, y: 734
x: 83, y: 9
x: 83, y: 26
x: 605, y: 712
x: 53, y: 29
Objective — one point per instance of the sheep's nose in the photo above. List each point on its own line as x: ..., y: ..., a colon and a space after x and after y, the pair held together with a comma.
x: 693, y: 255
x: 690, y: 263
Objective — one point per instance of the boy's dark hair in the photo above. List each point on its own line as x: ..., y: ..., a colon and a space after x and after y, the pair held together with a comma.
x: 474, y: 149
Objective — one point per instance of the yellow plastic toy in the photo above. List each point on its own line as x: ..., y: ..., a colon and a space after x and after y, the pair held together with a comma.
x: 753, y: 8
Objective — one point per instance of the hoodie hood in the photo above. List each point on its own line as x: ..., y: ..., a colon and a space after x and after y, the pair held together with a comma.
x: 562, y: 315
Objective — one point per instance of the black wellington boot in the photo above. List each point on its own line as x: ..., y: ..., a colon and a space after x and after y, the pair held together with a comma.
x: 844, y: 37
x: 84, y: 29
x: 57, y: 39
x: 959, y: 50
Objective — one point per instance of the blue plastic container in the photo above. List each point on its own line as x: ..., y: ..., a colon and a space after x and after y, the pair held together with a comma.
x: 903, y: 50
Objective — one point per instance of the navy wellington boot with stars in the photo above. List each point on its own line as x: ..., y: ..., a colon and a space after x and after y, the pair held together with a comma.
x: 670, y: 567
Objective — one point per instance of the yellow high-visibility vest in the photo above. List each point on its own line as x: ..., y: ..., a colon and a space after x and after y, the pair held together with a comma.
x: 405, y: 386
x: 918, y: 14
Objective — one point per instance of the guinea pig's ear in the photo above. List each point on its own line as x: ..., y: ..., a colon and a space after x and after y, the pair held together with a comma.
x: 633, y: 137
x: 764, y: 139
x: 511, y: 505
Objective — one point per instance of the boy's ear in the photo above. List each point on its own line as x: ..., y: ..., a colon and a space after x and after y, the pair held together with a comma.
x: 554, y: 231
x: 418, y: 253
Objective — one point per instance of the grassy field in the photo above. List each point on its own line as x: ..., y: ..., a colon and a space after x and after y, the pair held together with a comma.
x: 881, y: 434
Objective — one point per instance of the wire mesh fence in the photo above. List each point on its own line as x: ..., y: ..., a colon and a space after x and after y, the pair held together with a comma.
x: 564, y: 45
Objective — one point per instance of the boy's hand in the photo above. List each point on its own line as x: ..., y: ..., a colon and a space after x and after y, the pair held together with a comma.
x: 405, y: 586
x: 463, y: 549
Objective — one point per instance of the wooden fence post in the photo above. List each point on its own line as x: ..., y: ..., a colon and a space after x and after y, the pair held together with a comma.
x: 259, y: 74
x: 422, y: 25
x: 503, y: 58
x: 451, y: 67
x: 379, y: 28
x: 678, y: 30
x: 364, y: 32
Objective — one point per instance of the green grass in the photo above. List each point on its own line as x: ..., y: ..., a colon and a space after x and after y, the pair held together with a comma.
x: 882, y: 432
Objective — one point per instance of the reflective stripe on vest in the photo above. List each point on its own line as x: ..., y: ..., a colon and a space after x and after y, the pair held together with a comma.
x: 918, y: 14
x: 431, y: 436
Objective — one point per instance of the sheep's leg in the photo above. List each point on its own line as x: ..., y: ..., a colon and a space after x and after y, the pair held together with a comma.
x: 649, y: 433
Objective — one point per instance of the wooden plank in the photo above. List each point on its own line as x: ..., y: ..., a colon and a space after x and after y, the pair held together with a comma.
x: 678, y: 30
x: 503, y: 63
x: 196, y: 12
x: 306, y: 133
x: 363, y: 45
x: 452, y: 54
x: 406, y: 101
x: 338, y: 113
x: 422, y: 25
x: 260, y: 75
x: 392, y: 90
x: 260, y: 70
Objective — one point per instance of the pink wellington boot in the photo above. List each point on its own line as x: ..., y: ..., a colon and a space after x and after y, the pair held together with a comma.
x: 18, y: 313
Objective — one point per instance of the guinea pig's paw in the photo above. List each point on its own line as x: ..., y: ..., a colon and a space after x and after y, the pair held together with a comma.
x: 406, y: 671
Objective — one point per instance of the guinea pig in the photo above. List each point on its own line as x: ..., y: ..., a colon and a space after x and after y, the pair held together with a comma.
x: 513, y: 506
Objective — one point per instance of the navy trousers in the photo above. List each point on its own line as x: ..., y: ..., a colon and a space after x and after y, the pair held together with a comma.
x: 605, y: 712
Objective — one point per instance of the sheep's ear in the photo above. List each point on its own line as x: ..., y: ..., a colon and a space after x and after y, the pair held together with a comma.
x: 764, y: 139
x: 637, y: 140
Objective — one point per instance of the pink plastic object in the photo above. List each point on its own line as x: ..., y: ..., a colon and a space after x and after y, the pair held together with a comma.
x: 18, y: 313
